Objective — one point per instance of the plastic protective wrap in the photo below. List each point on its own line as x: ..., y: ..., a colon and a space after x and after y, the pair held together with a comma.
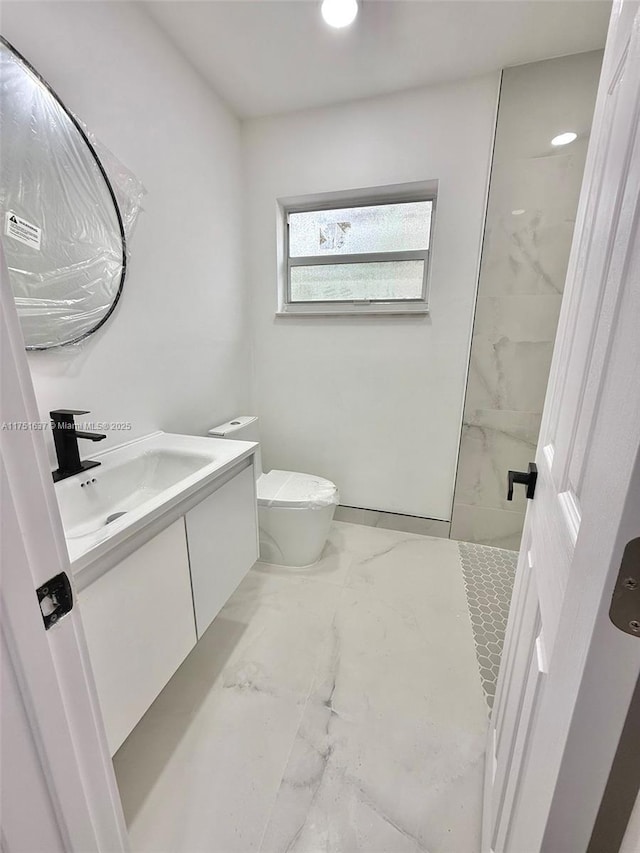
x: 293, y: 489
x: 67, y: 216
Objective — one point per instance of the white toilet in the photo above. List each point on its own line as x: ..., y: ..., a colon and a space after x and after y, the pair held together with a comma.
x: 295, y: 510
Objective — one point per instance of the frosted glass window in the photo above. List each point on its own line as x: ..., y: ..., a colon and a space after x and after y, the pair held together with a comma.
x: 358, y: 258
x: 401, y: 227
x: 348, y: 282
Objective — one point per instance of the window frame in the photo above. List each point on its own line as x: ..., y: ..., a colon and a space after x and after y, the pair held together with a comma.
x: 372, y: 197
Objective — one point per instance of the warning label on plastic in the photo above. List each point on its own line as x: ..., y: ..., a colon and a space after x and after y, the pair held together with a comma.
x: 19, y: 229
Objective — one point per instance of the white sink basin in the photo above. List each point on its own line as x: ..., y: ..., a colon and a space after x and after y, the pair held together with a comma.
x: 89, y: 501
x: 135, y: 484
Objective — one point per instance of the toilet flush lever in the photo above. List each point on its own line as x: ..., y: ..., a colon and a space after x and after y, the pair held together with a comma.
x: 526, y: 478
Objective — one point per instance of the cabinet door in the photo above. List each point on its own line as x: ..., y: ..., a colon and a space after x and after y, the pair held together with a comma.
x: 138, y: 620
x: 223, y: 544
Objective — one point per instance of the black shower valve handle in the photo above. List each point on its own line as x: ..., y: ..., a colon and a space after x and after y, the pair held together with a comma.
x: 526, y: 478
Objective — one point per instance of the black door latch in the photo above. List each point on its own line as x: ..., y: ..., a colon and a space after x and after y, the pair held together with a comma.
x: 55, y: 598
x: 527, y: 479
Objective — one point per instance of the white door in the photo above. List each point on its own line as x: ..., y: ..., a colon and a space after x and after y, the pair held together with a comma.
x: 58, y: 788
x: 567, y: 674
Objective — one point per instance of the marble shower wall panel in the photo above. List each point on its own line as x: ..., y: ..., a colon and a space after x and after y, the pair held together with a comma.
x: 511, y: 352
x: 531, y: 212
x: 483, y: 525
x: 530, y: 222
x: 489, y: 437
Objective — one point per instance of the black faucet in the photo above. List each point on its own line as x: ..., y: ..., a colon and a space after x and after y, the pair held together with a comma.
x: 65, y: 438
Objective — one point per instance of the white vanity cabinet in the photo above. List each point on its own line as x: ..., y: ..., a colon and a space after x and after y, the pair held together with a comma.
x: 138, y: 620
x: 147, y: 600
x: 222, y: 532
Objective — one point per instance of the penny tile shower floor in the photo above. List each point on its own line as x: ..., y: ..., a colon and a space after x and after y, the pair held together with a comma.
x: 488, y: 578
x: 332, y: 709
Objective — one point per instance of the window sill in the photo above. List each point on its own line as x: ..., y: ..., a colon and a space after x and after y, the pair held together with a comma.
x: 342, y: 310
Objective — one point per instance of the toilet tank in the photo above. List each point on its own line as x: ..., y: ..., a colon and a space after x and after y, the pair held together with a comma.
x: 242, y: 428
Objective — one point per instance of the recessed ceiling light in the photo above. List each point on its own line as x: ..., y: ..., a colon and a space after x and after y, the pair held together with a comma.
x: 518, y: 212
x: 339, y: 13
x: 564, y: 138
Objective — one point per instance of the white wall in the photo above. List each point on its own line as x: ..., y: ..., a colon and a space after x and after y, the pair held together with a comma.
x: 175, y: 355
x: 374, y: 404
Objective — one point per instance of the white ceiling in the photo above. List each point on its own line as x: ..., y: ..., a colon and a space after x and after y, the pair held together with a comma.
x: 270, y: 56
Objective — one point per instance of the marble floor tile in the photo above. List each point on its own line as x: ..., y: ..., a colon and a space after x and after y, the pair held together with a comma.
x: 207, y: 783
x: 339, y: 712
x: 362, y: 541
x: 390, y: 751
x: 201, y: 769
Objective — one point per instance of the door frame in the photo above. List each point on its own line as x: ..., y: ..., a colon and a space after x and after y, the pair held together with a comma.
x: 52, y: 668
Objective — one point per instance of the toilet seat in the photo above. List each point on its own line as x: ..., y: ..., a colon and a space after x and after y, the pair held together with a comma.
x: 293, y: 489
